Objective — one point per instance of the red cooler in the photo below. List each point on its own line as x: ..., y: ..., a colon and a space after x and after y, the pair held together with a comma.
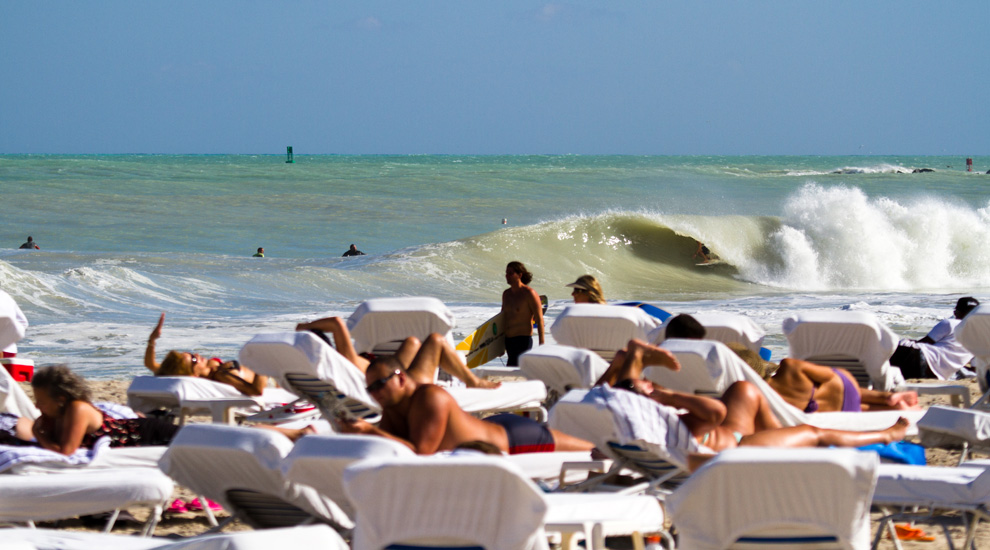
x: 22, y: 370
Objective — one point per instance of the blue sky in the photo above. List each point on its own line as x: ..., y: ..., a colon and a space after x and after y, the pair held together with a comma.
x: 507, y: 77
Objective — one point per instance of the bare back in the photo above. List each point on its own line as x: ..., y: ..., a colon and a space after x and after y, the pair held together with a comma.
x: 435, y: 422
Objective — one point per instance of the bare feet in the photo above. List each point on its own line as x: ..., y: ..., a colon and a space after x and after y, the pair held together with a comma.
x: 482, y: 383
x: 654, y: 355
x: 905, y: 400
x: 898, y: 431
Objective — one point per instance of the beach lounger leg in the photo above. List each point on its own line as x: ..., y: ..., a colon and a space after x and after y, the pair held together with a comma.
x: 111, y: 520
x: 886, y: 523
x: 153, y: 519
x: 598, y: 537
x: 209, y: 513
x: 971, y: 532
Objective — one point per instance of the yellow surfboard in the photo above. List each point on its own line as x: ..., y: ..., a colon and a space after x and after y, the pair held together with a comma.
x: 487, y: 342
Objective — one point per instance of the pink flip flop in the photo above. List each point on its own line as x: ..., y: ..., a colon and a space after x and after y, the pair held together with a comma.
x: 195, y: 505
x: 177, y: 507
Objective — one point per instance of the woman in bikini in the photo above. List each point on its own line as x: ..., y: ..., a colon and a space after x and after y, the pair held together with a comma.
x: 741, y: 417
x: 815, y: 388
x: 183, y: 363
x: 69, y: 420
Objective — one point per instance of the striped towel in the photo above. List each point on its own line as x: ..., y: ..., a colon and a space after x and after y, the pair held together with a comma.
x: 641, y: 419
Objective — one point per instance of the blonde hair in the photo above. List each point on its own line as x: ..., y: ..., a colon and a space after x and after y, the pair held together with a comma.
x: 592, y: 287
x: 174, y: 364
x: 765, y: 369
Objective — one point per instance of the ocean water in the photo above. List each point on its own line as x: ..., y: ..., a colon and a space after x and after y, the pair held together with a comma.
x: 125, y: 237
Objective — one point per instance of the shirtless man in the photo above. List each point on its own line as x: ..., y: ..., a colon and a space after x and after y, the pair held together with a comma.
x: 741, y: 417
x: 427, y: 419
x: 521, y: 307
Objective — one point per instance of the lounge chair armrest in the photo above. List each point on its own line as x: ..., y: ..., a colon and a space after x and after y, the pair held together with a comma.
x: 958, y: 392
x: 597, y: 466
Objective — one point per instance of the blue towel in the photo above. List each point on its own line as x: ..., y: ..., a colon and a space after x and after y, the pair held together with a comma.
x: 900, y: 452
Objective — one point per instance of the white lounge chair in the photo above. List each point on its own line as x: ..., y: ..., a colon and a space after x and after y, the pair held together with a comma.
x: 241, y: 469
x: 480, y: 501
x: 916, y: 493
x: 722, y: 327
x: 380, y: 325
x: 319, y: 461
x: 752, y: 497
x: 30, y: 498
x: 13, y: 323
x: 974, y: 334
x: 854, y: 340
x: 12, y: 327
x: 562, y: 368
x: 319, y: 537
x: 639, y: 434
x: 185, y: 396
x: 310, y: 366
x: 860, y: 343
x: 604, y: 329
x: 951, y: 426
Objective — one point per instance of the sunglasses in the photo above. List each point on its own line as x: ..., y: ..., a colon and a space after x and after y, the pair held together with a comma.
x: 626, y: 384
x: 193, y: 360
x: 380, y: 383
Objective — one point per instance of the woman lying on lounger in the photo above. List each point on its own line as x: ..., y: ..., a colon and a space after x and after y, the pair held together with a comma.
x: 449, y: 360
x: 184, y: 363
x: 741, y: 417
x: 814, y: 388
x: 69, y: 420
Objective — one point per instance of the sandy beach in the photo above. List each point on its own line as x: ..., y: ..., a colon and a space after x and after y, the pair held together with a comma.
x: 194, y: 523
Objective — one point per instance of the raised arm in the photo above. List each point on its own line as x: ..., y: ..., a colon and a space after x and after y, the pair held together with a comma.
x: 703, y: 414
x: 149, y: 351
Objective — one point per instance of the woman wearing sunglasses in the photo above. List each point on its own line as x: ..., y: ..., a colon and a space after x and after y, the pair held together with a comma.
x: 183, y: 363
x: 586, y: 290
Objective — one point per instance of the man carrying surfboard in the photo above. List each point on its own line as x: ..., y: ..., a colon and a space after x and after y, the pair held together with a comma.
x: 521, y: 309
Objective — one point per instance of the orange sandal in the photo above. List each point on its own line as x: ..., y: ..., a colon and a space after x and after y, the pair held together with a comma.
x: 906, y: 532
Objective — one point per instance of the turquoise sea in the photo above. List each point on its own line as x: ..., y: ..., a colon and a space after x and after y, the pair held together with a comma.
x: 125, y: 237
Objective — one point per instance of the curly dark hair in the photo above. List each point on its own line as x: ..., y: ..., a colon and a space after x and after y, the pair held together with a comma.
x: 60, y: 382
x: 524, y: 275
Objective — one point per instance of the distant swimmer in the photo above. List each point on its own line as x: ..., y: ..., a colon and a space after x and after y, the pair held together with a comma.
x: 260, y: 253
x: 30, y: 244
x: 505, y: 221
x: 703, y: 252
x: 353, y: 251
